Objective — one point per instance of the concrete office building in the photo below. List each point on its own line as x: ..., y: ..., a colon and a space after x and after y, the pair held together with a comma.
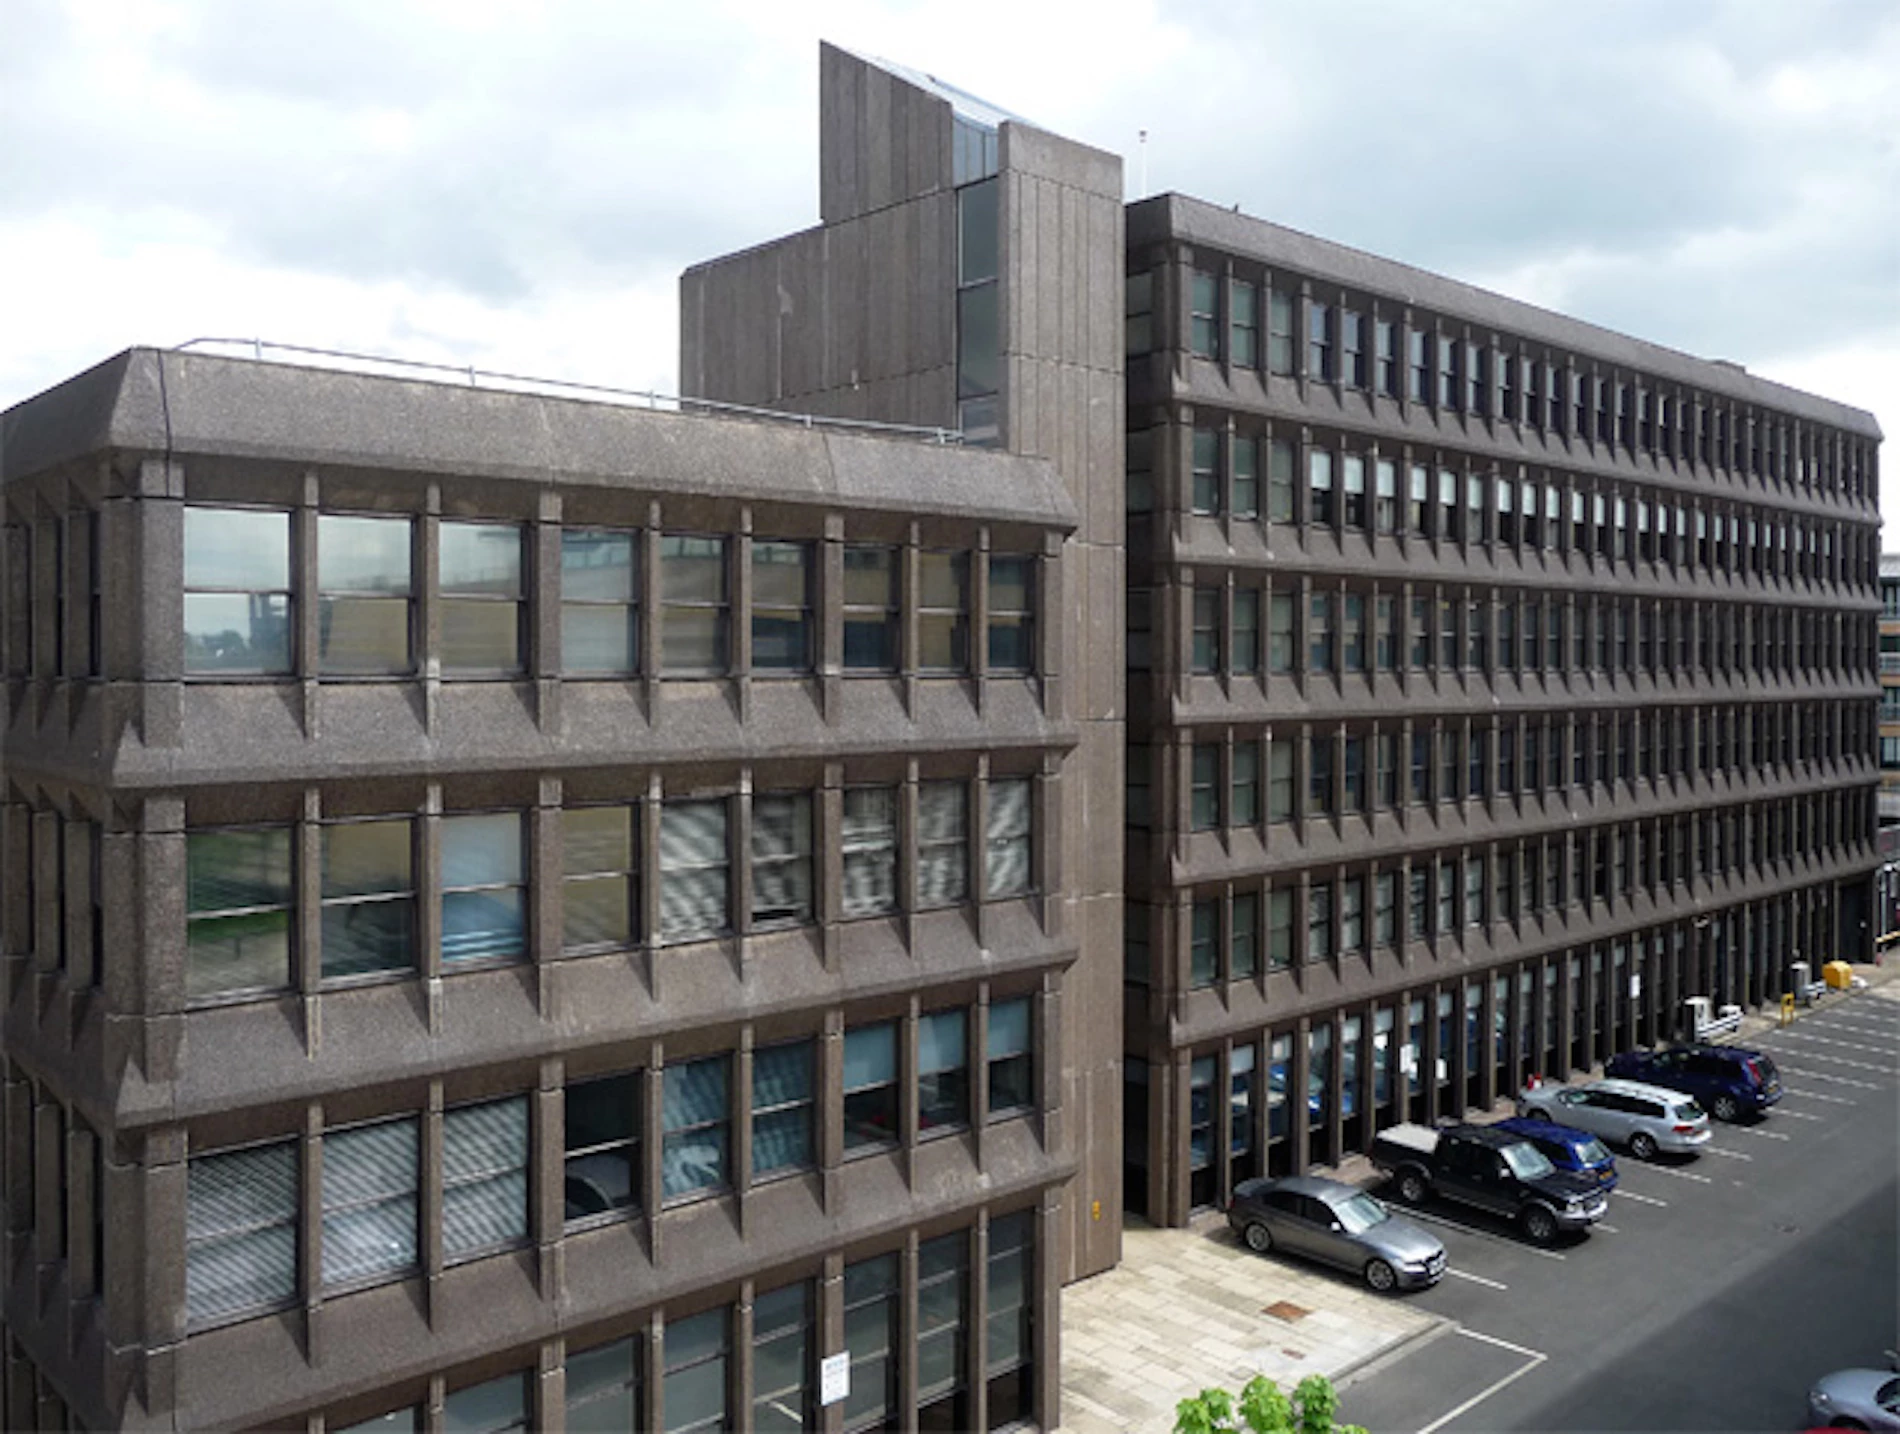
x: 521, y: 912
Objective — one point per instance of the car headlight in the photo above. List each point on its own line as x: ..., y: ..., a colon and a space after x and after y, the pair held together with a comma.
x: 1818, y: 1398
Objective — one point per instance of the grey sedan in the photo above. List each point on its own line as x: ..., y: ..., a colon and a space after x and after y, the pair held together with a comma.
x: 1337, y: 1225
x: 1856, y: 1399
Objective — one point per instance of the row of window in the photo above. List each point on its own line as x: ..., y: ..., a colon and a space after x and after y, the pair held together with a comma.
x: 242, y: 587
x: 1351, y: 769
x: 716, y: 864
x: 1244, y: 928
x: 632, y: 1141
x: 1379, y: 346
x: 1252, y: 477
x: 703, y: 1380
x: 1245, y: 626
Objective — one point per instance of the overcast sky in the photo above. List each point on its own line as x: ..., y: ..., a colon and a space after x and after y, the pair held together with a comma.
x: 518, y: 185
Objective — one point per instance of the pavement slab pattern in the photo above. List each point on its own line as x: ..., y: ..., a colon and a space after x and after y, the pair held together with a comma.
x: 1187, y: 1310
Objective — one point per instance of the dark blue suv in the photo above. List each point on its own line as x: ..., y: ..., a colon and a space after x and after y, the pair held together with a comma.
x: 1575, y: 1150
x: 1729, y: 1081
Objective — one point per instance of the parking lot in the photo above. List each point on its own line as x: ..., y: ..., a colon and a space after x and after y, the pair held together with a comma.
x: 1716, y: 1288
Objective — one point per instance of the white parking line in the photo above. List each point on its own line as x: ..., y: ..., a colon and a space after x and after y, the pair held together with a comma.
x: 1606, y: 1229
x: 1807, y: 1074
x: 1643, y: 1199
x: 1816, y: 1095
x: 1679, y: 1174
x: 1765, y: 1134
x: 1418, y: 1214
x: 1786, y: 1114
x: 1886, y: 1050
x: 1725, y: 1154
x: 1476, y: 1279
x: 1854, y: 1023
x: 1532, y: 1358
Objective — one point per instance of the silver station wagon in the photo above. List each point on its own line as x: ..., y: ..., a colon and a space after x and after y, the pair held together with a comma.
x: 1645, y: 1118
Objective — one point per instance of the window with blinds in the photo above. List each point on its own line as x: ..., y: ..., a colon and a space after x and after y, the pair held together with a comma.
x: 782, y: 1108
x: 695, y: 1378
x: 869, y: 843
x: 943, y: 607
x: 781, y: 607
x: 600, y: 590
x: 870, y: 1087
x: 942, y: 1328
x: 1012, y: 640
x: 364, y: 593
x: 602, y: 1172
x: 1007, y: 838
x: 238, y: 898
x: 240, y: 1232
x: 1011, y: 1064
x: 482, y: 598
x: 484, y: 1177
x: 781, y: 859
x: 697, y: 1116
x: 370, y: 1178
x: 870, y: 608
x: 694, y: 872
x: 871, y: 1292
x: 1008, y: 1326
x: 483, y: 887
x: 943, y: 843
x: 600, y: 877
x: 943, y: 1071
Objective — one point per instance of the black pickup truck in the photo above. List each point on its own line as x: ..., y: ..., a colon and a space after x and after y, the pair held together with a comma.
x: 1493, y: 1170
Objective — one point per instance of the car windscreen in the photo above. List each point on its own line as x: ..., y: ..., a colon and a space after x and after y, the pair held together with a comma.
x: 1688, y: 1111
x: 1527, y: 1162
x: 1360, y: 1213
x: 1591, y: 1152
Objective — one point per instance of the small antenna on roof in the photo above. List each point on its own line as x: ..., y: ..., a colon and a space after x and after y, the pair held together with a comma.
x: 1141, y: 182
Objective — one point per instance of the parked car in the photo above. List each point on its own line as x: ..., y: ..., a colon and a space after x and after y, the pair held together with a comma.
x: 1857, y: 1399
x: 1646, y: 1118
x: 1577, y: 1151
x: 1491, y: 1169
x: 1337, y: 1225
x: 1727, y: 1081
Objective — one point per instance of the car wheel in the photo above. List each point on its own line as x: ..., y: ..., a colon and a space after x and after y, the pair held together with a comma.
x: 1412, y: 1187
x: 1540, y: 1225
x: 1725, y: 1108
x: 1258, y: 1237
x: 1643, y: 1145
x: 1380, y: 1278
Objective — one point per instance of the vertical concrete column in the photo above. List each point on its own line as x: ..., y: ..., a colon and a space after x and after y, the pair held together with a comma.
x: 739, y: 612
x: 155, y: 1297
x: 828, y: 608
x: 306, y: 629
x: 158, y: 609
x: 547, y: 908
x: 543, y: 590
x: 425, y: 583
x: 547, y: 1171
x: 429, y: 902
x: 161, y: 934
x: 651, y: 613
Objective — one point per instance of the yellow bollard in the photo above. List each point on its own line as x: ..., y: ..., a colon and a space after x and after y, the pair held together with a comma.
x: 1787, y: 1010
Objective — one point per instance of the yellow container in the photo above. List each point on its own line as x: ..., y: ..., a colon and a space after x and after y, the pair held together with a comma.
x: 1838, y: 975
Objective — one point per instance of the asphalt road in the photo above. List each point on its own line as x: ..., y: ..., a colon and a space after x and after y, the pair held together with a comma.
x: 1715, y: 1290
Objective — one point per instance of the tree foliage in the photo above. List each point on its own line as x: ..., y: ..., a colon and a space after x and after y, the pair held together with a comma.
x: 1262, y: 1409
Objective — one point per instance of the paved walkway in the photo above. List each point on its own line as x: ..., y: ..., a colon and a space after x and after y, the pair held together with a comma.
x: 1189, y: 1309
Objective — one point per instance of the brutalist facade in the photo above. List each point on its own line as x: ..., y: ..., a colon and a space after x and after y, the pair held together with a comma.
x: 1498, y: 687
x: 522, y: 912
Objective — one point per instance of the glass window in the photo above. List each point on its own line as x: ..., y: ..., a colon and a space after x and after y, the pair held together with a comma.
x: 1007, y: 838
x: 1206, y: 651
x: 1279, y: 928
x: 1008, y: 1326
x: 694, y: 604
x: 782, y: 1108
x: 1011, y: 1060
x: 1243, y: 809
x: 603, y: 1388
x: 600, y: 591
x: 1280, y: 781
x: 1279, y: 481
x: 1204, y: 485
x: 943, y: 608
x: 370, y: 1175
x: 1319, y: 349
x: 603, y: 1145
x: 870, y: 851
x: 481, y: 597
x: 1319, y: 921
x: 870, y: 608
x: 943, y: 1071
x: 781, y: 1360
x: 942, y: 1326
x: 871, y: 1292
x: 240, y: 1231
x: 870, y: 1087
x: 1204, y: 944
x: 1243, y: 327
x: 238, y: 899
x: 484, y: 1177
x: 368, y: 898
x: 1243, y: 935
x: 237, y: 591
x: 781, y: 607
x: 363, y: 593
x: 600, y: 877
x: 694, y: 896
x: 1319, y: 633
x: 696, y: 1128
x: 1353, y: 481
x: 1205, y: 813
x: 943, y: 843
x: 1280, y: 332
x: 483, y: 887
x: 1280, y: 632
x: 1246, y: 630
x: 1012, y: 614
x: 1204, y: 315
x: 1138, y: 313
x: 695, y: 1379
x: 781, y: 858
x: 1246, y: 476
x: 1319, y: 472
x: 495, y: 1407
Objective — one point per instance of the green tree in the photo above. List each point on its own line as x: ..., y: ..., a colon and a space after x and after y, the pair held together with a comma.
x: 1263, y: 1409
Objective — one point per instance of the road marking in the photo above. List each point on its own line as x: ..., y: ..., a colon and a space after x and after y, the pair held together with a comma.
x: 1854, y: 1023
x: 1807, y: 1074
x: 1816, y: 1095
x: 1418, y: 1214
x: 1844, y: 1045
x: 1766, y: 1134
x: 1680, y: 1174
x: 1785, y: 1114
x: 1606, y: 1229
x: 1725, y: 1154
x: 1532, y: 1359
x: 1476, y: 1279
x: 1645, y: 1199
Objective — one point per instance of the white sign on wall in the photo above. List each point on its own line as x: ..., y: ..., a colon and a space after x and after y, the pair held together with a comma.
x: 834, y: 1378
x: 1636, y: 986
